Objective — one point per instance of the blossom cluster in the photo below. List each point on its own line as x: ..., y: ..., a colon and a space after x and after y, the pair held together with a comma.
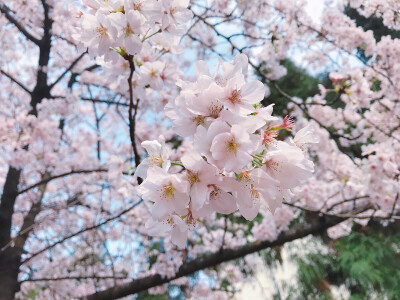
x: 387, y: 10
x: 135, y: 34
x: 75, y: 154
x: 236, y: 161
x: 120, y: 27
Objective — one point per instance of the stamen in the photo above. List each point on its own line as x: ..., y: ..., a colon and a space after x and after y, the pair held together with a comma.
x: 254, y: 194
x: 234, y: 97
x: 214, y: 193
x: 192, y: 177
x: 137, y: 6
x: 128, y: 30
x: 167, y: 192
x: 155, y: 160
x: 199, y: 120
x: 231, y: 145
x: 102, y: 30
x: 153, y: 73
x: 269, y: 137
x: 215, y: 110
x: 245, y: 175
x: 271, y: 164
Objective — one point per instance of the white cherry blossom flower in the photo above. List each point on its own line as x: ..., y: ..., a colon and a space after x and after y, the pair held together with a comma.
x: 200, y: 176
x: 99, y: 34
x: 231, y: 150
x: 130, y: 27
x: 239, y: 96
x: 288, y: 165
x: 158, y: 156
x: 306, y: 135
x: 169, y: 192
x: 151, y: 74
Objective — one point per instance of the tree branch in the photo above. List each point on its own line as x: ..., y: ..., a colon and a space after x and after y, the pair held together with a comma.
x: 15, y: 81
x: 48, y: 179
x: 110, y: 102
x: 132, y: 113
x: 73, y: 278
x: 73, y: 64
x: 82, y: 231
x: 8, y: 264
x: 317, y: 224
x: 7, y: 12
x: 29, y: 220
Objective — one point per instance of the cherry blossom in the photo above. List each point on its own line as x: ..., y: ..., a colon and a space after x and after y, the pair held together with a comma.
x: 94, y: 200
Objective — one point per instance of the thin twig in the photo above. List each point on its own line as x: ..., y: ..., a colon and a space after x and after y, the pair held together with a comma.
x: 15, y: 81
x: 7, y: 12
x: 82, y: 231
x: 59, y: 176
x: 133, y: 108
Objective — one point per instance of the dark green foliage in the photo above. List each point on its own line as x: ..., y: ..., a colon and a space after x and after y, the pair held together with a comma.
x: 366, y: 263
x: 315, y: 264
x: 272, y: 256
x: 372, y: 262
x: 146, y: 296
x: 371, y: 23
x: 297, y: 83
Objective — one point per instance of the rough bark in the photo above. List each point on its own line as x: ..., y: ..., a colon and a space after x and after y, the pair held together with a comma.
x: 10, y: 257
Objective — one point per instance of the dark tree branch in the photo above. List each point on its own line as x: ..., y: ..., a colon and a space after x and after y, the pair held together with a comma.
x: 73, y: 77
x: 346, y: 201
x: 15, y: 81
x: 7, y: 12
x: 110, y: 102
x: 74, y: 278
x: 82, y: 231
x: 8, y: 259
x: 317, y: 224
x: 10, y: 192
x: 133, y: 108
x: 50, y: 178
x: 29, y: 220
x: 27, y: 227
x: 73, y: 64
x: 42, y: 89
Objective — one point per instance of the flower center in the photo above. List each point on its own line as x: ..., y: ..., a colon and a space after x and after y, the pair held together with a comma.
x: 254, y: 194
x: 102, y: 30
x: 153, y: 73
x: 215, y: 110
x: 231, y: 145
x: 168, y: 192
x: 192, y: 177
x: 189, y: 220
x: 271, y: 164
x: 214, y: 193
x: 128, y: 30
x: 234, y: 97
x: 156, y: 160
x: 199, y: 120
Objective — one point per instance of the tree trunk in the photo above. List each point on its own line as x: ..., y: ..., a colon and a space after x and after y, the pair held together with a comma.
x: 8, y: 258
x: 8, y: 274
